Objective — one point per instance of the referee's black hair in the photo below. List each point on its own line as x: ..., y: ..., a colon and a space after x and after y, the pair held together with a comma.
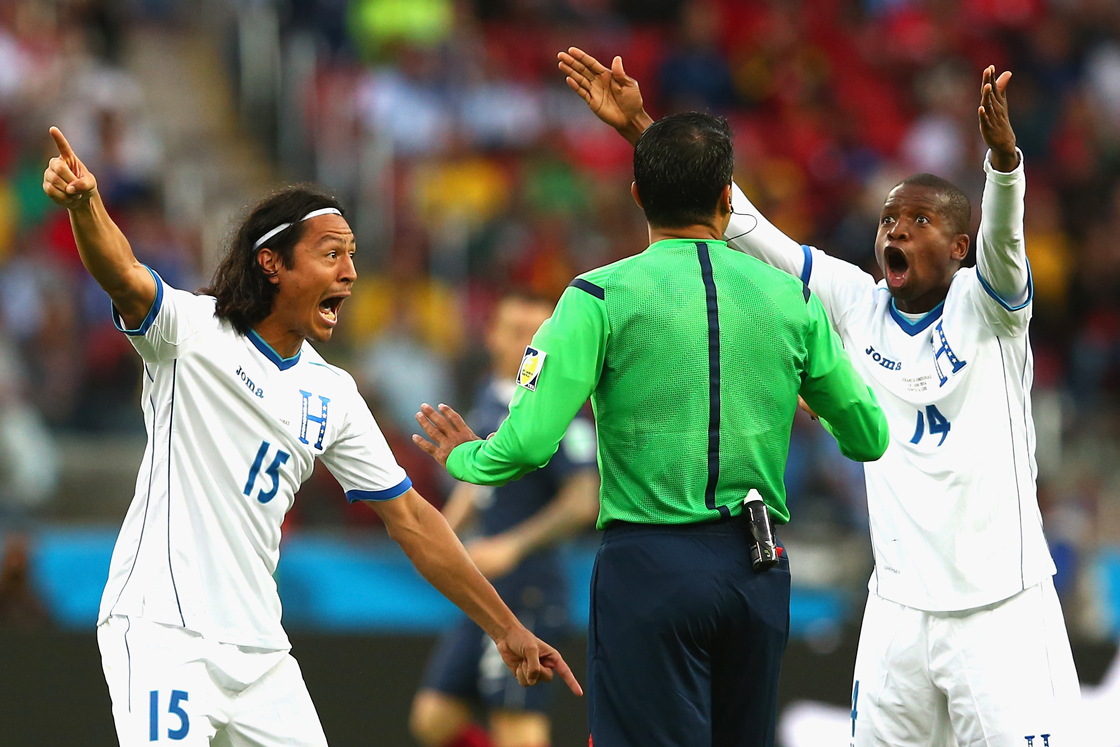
x: 240, y: 284
x: 958, y: 210
x: 681, y: 165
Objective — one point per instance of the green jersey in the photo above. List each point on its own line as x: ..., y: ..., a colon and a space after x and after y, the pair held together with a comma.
x: 693, y: 356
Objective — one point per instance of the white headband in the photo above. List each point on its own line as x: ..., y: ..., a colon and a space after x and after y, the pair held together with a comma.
x: 282, y: 226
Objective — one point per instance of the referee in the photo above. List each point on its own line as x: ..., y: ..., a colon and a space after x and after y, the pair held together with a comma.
x: 693, y: 355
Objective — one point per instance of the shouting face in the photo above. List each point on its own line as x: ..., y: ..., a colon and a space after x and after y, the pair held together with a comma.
x: 919, y: 246
x: 321, y: 275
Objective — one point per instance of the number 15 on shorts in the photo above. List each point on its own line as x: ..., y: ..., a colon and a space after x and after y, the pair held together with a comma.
x: 174, y: 708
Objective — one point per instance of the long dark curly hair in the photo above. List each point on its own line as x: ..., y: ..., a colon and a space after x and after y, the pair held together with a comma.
x: 240, y: 284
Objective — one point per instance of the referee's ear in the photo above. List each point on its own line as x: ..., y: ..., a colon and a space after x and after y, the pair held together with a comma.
x: 725, y: 201
x: 637, y: 197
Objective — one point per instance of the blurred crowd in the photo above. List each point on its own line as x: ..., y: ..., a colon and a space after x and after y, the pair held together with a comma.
x: 490, y: 174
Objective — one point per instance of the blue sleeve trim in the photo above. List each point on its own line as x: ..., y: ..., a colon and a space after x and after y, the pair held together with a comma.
x: 152, y: 312
x: 1000, y: 301
x: 806, y: 270
x: 588, y: 287
x: 387, y: 494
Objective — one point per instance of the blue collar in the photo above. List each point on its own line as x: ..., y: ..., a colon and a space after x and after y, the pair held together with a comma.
x: 913, y: 328
x: 266, y: 350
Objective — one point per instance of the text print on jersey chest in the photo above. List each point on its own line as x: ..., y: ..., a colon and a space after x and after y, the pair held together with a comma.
x: 248, y: 381
x: 883, y: 360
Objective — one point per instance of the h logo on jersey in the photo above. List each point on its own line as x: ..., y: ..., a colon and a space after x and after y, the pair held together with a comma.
x: 308, y: 417
x: 1045, y: 740
x: 947, y: 351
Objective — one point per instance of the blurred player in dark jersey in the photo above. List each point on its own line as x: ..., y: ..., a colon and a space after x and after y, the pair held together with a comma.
x: 518, y: 527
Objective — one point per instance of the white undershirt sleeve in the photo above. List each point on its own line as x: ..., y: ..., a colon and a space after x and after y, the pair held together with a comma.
x: 1001, y: 254
x: 837, y: 283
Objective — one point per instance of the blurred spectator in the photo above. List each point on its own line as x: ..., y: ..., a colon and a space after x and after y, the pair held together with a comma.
x: 20, y: 607
x: 29, y: 464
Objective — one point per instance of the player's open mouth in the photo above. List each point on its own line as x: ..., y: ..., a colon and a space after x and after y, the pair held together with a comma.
x: 897, y: 266
x: 328, y: 308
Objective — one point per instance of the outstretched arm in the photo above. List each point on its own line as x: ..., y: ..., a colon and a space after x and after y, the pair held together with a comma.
x: 552, y: 388
x: 1001, y: 256
x: 616, y: 99
x: 433, y: 548
x: 611, y: 94
x: 103, y: 248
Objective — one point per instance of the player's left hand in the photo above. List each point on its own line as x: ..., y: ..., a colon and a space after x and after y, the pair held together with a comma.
x: 995, y: 124
x: 495, y: 556
x: 532, y: 660
x: 445, y: 427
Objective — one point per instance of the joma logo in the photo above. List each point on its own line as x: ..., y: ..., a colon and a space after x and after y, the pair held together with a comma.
x: 249, y: 383
x: 883, y: 360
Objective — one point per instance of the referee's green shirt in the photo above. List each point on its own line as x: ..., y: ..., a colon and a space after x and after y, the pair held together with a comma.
x: 693, y: 356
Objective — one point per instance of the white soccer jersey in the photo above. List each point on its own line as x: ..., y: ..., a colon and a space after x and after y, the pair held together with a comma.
x: 954, y: 517
x: 233, y: 430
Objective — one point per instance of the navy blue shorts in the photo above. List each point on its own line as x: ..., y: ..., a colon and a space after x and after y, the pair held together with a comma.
x: 466, y: 663
x: 685, y: 640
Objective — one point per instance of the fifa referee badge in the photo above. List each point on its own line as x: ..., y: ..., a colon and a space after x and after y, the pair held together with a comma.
x: 530, y: 372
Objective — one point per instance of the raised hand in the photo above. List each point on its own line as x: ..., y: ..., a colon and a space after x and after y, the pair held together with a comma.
x: 445, y: 427
x: 611, y: 94
x: 67, y: 181
x: 532, y: 660
x: 995, y: 125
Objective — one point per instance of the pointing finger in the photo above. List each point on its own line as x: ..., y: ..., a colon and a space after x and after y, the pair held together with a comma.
x: 63, y: 144
x: 556, y: 663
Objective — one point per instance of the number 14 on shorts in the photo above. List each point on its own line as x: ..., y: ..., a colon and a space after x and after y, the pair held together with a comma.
x: 174, y: 708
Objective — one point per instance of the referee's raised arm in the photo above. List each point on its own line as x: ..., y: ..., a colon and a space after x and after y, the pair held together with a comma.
x: 837, y: 393
x: 559, y: 371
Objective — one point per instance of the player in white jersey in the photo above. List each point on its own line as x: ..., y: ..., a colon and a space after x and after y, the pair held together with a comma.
x: 963, y: 636
x: 238, y: 406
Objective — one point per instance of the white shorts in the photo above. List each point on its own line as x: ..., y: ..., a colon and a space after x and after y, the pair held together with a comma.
x: 172, y: 686
x: 995, y: 676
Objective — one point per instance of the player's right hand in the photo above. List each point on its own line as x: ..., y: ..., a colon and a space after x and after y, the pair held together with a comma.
x: 67, y: 181
x: 612, y: 94
x: 532, y: 660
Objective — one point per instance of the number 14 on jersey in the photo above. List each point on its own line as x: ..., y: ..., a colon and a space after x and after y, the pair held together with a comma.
x: 938, y: 425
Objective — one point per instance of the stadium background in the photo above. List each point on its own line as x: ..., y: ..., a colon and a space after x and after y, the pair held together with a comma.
x: 468, y: 167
